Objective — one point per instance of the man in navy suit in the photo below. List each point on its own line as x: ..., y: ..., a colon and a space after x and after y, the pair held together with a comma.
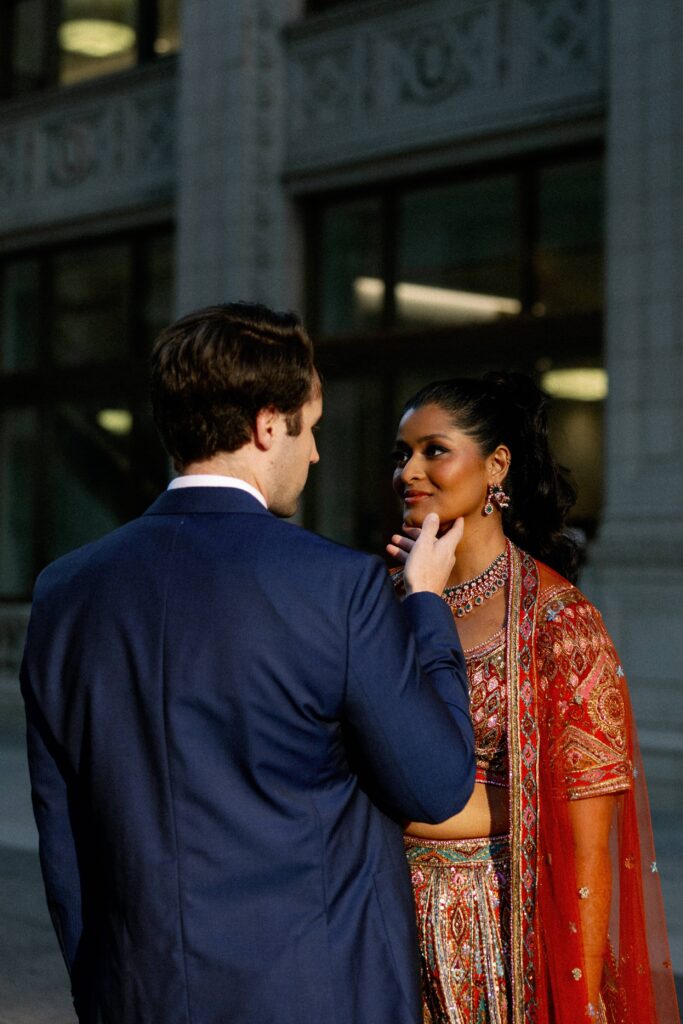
x: 229, y: 716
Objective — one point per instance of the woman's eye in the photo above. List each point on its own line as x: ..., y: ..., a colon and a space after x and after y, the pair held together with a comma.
x: 399, y: 458
x: 432, y: 450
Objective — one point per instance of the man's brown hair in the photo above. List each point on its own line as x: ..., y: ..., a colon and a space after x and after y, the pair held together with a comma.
x: 214, y: 369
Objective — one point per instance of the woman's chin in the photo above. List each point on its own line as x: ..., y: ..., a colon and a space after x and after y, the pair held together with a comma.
x: 413, y: 517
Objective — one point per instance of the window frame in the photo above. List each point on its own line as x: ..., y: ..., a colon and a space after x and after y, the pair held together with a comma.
x: 525, y: 168
x: 526, y: 339
x: 146, y: 25
x: 123, y: 380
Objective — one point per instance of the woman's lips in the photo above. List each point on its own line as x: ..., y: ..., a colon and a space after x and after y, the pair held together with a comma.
x: 413, y: 497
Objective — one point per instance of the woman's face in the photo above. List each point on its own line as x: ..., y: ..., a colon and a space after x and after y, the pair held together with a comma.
x: 438, y: 468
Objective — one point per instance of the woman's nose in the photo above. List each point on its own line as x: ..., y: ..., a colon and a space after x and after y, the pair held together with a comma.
x: 410, y: 470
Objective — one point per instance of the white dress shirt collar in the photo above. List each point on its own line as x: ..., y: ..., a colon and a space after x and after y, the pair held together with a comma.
x: 216, y: 480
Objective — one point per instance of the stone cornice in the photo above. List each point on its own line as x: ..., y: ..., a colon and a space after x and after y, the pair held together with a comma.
x: 88, y: 150
x: 381, y: 79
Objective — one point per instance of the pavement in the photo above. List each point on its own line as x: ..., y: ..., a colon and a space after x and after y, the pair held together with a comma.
x: 34, y: 986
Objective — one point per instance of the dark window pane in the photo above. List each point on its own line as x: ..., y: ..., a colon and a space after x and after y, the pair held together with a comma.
x: 29, y: 46
x: 168, y: 28
x: 157, y: 309
x: 22, y: 323
x: 344, y: 499
x: 351, y: 290
x: 92, y: 304
x: 458, y: 253
x: 19, y: 459
x: 96, y: 37
x: 107, y: 467
x: 313, y: 6
x: 568, y: 259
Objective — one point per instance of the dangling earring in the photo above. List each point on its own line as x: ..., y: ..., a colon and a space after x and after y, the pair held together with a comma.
x: 495, y: 495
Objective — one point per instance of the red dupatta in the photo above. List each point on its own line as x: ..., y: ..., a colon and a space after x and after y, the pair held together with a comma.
x: 547, y: 962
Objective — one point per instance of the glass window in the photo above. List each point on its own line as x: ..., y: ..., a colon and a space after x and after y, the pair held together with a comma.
x: 352, y: 292
x: 158, y: 299
x: 313, y: 6
x: 97, y: 460
x: 457, y: 258
x: 98, y: 480
x: 568, y: 258
x: 168, y: 28
x: 500, y: 270
x: 96, y: 37
x: 49, y: 42
x: 29, y: 45
x: 83, y: 501
x: 19, y: 462
x: 92, y: 298
x: 22, y: 325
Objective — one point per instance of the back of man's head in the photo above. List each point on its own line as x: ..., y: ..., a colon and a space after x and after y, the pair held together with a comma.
x: 214, y: 369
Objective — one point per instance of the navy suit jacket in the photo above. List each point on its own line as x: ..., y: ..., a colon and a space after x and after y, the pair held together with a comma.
x: 218, y: 703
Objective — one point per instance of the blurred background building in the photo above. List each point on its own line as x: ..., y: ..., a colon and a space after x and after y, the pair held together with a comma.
x: 442, y: 186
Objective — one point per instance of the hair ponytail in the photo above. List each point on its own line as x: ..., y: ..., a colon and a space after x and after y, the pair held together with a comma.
x: 509, y: 409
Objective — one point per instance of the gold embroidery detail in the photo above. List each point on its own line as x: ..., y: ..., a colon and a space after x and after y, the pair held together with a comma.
x: 584, y: 892
x: 577, y: 973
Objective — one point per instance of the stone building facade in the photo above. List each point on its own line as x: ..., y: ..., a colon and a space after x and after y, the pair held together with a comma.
x: 274, y: 114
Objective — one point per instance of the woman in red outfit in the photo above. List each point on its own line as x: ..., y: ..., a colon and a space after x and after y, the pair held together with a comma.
x: 539, y: 903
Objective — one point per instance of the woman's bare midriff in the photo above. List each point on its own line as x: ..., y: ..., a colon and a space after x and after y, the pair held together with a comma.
x: 485, y: 814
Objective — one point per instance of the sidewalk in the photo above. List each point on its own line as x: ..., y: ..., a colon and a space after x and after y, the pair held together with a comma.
x: 34, y: 986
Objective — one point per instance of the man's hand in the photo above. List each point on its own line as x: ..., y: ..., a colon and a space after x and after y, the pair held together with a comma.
x: 427, y: 559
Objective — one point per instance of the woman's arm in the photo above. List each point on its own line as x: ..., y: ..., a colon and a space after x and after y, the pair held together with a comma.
x: 591, y: 821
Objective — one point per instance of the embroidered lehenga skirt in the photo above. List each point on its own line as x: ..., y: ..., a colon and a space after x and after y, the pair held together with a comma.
x: 462, y: 900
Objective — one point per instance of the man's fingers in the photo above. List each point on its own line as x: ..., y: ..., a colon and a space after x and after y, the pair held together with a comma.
x: 430, y: 528
x: 397, y: 553
x: 402, y: 542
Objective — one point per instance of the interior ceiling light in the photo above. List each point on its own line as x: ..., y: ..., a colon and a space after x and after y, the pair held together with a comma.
x: 581, y: 384
x: 95, y: 37
x: 419, y: 300
x: 115, y: 421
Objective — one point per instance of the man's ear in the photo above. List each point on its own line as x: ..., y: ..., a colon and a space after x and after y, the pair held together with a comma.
x: 266, y: 427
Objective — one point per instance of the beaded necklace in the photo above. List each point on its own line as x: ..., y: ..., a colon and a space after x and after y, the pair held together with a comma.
x: 470, y: 594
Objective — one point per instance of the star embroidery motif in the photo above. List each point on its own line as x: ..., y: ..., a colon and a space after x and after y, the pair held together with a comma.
x: 653, y: 867
x: 620, y: 672
x: 635, y: 773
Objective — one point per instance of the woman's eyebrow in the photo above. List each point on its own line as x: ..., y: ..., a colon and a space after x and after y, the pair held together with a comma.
x: 433, y: 437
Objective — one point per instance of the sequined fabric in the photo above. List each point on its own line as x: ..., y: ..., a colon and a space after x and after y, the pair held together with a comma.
x: 488, y: 707
x: 583, y: 686
x: 462, y: 899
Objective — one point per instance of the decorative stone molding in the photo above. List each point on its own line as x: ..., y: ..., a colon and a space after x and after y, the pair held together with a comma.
x: 89, y: 151
x: 401, y: 75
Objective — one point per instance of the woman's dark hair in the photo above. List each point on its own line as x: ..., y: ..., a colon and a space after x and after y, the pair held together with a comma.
x: 214, y: 369
x: 509, y: 409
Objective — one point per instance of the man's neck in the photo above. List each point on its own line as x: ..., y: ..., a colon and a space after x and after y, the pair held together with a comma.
x: 233, y: 464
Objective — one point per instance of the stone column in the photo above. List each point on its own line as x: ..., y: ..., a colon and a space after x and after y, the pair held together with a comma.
x: 237, y: 233
x: 636, y: 571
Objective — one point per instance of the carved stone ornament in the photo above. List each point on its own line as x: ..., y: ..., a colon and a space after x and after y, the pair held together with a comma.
x: 407, y: 74
x: 88, y: 152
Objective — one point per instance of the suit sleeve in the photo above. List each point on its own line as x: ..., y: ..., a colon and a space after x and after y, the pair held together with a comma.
x: 51, y: 807
x: 407, y: 699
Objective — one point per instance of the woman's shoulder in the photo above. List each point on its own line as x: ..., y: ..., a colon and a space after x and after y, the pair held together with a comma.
x: 557, y: 595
